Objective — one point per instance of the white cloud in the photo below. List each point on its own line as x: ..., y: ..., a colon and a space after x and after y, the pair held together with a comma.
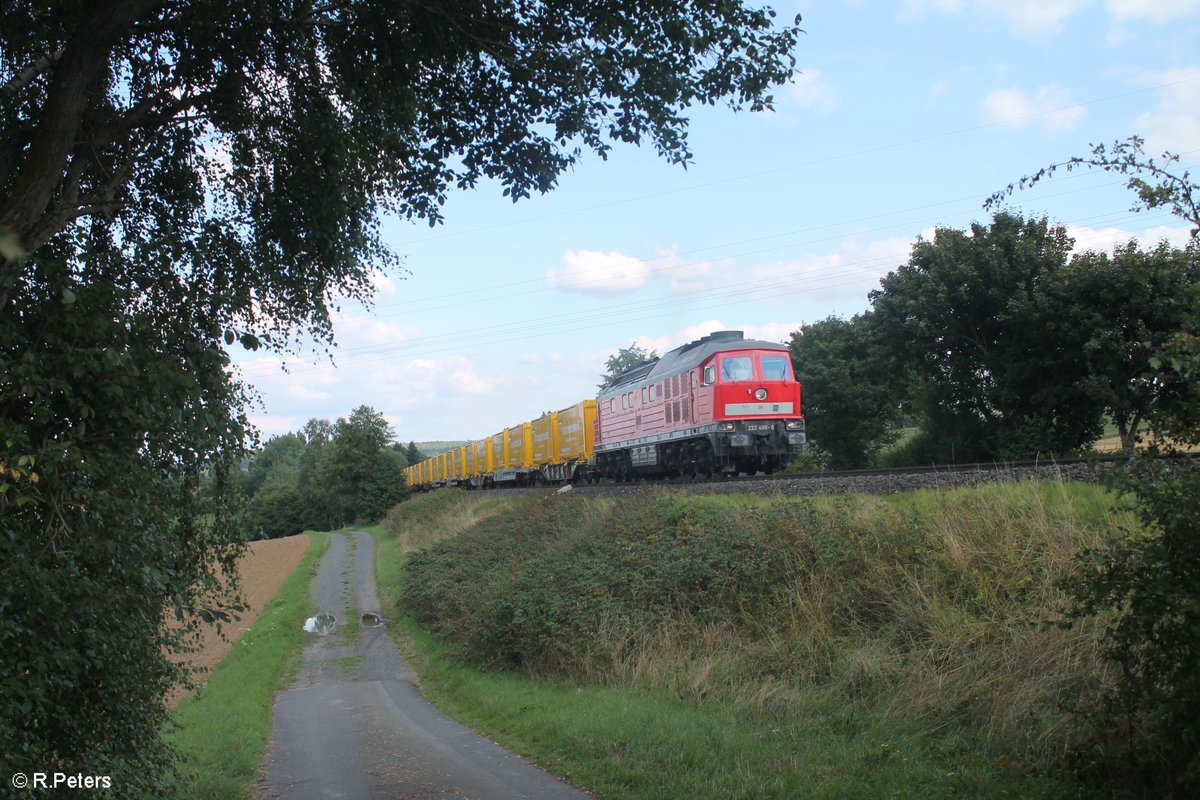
x: 918, y: 8
x: 851, y: 272
x: 1152, y: 10
x: 428, y: 378
x: 1174, y: 123
x: 358, y: 331
x: 686, y: 276
x: 808, y: 89
x: 1105, y: 239
x: 385, y: 285
x: 302, y: 392
x: 593, y: 272
x: 270, y: 425
x: 1049, y: 108
x: 1034, y: 18
x: 606, y: 274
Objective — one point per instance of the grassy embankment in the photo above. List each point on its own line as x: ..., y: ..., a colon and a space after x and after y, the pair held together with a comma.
x: 745, y: 647
x: 222, y: 730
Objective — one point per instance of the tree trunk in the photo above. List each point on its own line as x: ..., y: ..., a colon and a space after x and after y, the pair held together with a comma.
x: 23, y: 212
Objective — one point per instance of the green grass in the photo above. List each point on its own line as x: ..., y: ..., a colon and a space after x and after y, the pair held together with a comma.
x: 222, y: 730
x: 902, y: 656
x: 626, y: 743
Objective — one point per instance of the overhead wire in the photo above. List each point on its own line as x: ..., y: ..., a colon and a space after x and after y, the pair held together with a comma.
x: 630, y: 310
x: 635, y: 311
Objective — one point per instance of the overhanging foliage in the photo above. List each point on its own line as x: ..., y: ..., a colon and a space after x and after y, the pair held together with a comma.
x: 178, y: 177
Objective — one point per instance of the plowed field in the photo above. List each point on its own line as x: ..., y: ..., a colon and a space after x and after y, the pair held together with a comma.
x: 263, y: 570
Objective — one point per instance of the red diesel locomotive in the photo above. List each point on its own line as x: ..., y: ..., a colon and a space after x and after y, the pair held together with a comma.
x: 719, y: 404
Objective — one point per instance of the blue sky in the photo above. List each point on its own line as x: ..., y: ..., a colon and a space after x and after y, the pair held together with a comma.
x: 903, y: 116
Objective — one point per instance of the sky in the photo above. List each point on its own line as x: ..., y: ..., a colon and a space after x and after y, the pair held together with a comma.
x: 901, y: 117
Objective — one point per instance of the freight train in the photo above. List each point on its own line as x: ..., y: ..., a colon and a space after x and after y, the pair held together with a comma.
x: 720, y: 404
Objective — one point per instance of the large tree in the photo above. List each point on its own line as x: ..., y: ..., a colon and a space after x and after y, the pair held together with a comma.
x: 1120, y: 320
x: 357, y: 474
x: 176, y: 176
x: 961, y: 315
x: 852, y: 396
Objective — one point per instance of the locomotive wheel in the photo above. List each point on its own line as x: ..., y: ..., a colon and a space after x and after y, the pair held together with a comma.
x: 691, y: 453
x: 671, y: 461
x: 704, y: 459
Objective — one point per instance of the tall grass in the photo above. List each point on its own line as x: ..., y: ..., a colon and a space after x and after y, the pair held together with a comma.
x: 427, y: 518
x: 930, y: 613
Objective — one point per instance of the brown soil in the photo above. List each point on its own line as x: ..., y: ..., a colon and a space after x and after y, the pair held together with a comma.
x: 263, y: 570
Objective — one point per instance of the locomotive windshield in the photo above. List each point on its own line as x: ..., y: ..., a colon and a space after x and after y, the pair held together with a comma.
x: 736, y: 368
x: 742, y: 368
x: 775, y: 368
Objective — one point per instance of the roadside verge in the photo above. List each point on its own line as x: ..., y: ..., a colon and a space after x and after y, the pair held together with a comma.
x: 221, y: 731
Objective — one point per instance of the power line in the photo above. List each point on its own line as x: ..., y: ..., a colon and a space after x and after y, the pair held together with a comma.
x: 539, y: 283
x: 636, y: 311
x: 801, y: 165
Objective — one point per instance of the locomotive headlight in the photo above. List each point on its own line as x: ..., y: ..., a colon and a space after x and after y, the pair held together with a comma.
x: 795, y: 425
x: 726, y: 426
x: 760, y: 394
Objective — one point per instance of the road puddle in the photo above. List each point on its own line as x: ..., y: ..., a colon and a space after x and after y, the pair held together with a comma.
x: 322, y: 624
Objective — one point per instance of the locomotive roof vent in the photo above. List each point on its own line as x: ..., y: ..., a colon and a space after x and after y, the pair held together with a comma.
x: 715, y: 336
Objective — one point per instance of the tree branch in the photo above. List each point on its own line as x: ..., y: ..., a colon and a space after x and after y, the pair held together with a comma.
x: 25, y: 76
x: 55, y: 138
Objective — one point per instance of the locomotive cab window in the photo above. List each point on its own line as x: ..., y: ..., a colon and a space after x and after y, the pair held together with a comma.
x: 710, y: 375
x: 737, y: 368
x: 775, y: 368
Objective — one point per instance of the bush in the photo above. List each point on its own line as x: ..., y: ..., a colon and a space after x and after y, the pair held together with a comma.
x: 534, y: 588
x: 278, y: 510
x: 1148, y: 584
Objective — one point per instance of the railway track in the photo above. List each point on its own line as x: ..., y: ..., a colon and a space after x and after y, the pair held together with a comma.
x: 869, y: 481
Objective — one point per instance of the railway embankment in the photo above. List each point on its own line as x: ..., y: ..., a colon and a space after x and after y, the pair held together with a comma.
x: 668, y: 643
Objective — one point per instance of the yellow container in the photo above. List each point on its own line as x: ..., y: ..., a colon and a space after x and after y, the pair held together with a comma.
x: 576, y: 432
x: 499, y: 450
x: 481, y: 457
x: 545, y: 439
x: 469, y: 468
x: 520, y: 446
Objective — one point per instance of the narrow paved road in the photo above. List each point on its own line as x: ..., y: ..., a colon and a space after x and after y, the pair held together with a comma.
x: 352, y: 726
